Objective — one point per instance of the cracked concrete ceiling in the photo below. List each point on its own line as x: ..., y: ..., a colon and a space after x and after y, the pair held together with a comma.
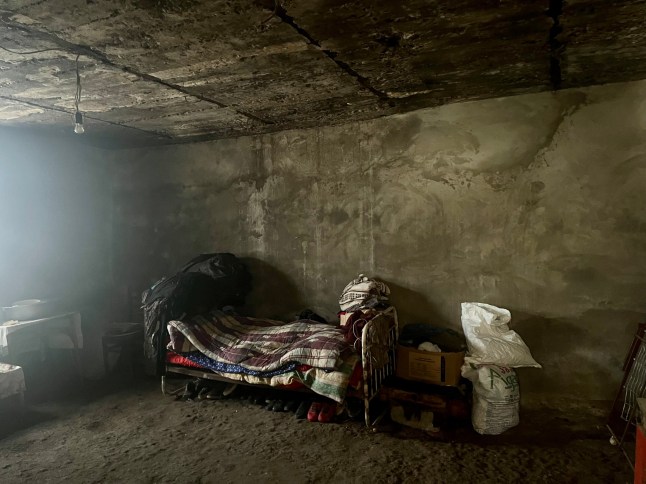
x: 187, y: 70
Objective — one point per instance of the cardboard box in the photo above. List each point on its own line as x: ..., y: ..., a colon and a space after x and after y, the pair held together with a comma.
x: 437, y: 368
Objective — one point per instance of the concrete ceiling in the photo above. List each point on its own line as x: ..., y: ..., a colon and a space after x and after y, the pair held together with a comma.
x: 186, y: 70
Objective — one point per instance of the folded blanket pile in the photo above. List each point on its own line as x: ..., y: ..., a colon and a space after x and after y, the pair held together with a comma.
x: 259, y: 344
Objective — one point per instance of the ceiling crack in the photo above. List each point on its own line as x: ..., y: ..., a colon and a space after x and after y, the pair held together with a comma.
x: 113, y: 14
x: 85, y: 115
x: 281, y: 13
x: 96, y: 54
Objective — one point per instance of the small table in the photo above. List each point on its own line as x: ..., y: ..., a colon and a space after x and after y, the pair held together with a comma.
x: 17, y: 336
x: 12, y: 381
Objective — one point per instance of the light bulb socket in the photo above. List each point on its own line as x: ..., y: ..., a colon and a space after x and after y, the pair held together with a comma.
x: 78, y: 123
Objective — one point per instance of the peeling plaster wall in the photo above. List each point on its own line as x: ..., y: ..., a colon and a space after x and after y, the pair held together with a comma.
x: 55, y: 204
x: 534, y: 203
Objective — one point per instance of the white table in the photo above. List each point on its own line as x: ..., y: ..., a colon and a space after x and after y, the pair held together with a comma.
x: 59, y: 331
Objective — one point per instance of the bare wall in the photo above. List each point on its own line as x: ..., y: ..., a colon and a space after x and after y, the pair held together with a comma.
x: 534, y: 203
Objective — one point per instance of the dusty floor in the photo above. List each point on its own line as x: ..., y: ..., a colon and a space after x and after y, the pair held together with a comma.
x: 129, y: 432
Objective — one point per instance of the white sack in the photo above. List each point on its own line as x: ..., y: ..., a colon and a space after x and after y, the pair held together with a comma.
x: 489, y: 339
x: 496, y: 398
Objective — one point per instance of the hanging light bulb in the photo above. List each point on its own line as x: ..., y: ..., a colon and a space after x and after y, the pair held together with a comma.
x: 78, y: 126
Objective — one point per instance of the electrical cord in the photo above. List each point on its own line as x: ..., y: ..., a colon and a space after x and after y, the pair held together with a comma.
x: 32, y: 51
x: 77, y: 97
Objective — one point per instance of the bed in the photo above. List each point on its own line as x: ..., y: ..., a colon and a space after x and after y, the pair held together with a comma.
x: 331, y: 361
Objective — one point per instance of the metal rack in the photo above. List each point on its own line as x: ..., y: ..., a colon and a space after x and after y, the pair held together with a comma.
x: 624, y: 412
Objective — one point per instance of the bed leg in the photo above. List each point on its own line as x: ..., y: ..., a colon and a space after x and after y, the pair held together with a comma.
x: 163, y: 385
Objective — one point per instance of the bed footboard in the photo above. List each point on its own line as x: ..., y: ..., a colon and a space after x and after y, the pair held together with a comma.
x: 378, y: 342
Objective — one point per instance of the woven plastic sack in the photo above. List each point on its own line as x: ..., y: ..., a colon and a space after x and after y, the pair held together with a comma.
x: 496, y: 398
x: 489, y: 339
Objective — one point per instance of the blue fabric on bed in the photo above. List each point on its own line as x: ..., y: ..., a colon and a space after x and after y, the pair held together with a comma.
x: 206, y: 362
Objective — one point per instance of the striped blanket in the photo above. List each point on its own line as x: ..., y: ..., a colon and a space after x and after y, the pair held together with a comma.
x: 259, y: 344
x: 330, y: 384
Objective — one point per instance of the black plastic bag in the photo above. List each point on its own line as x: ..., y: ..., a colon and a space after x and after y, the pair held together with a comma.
x: 207, y: 282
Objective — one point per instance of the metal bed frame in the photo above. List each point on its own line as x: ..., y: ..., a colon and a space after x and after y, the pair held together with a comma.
x: 378, y: 345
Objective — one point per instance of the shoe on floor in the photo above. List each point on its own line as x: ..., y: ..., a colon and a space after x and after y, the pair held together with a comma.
x: 190, y: 392
x: 290, y: 406
x: 301, y: 411
x: 327, y: 413
x: 278, y: 406
x: 313, y: 412
x: 354, y: 407
x: 214, y: 394
x: 229, y: 389
x: 200, y: 384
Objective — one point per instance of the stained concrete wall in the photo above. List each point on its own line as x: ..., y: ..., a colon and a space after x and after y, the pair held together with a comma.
x: 55, y: 242
x: 534, y: 203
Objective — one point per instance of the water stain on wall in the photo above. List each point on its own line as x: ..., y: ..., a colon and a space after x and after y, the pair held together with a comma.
x: 338, y: 216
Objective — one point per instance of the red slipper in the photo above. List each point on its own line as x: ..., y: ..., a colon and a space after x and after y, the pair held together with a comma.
x: 328, y: 411
x: 313, y: 413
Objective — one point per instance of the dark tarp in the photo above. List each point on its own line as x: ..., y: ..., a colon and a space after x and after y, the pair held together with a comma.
x: 209, y: 281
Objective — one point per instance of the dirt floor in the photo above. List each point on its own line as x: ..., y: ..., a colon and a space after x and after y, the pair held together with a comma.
x: 126, y: 431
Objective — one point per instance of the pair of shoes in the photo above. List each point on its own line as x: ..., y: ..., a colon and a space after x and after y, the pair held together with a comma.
x: 314, y: 411
x: 212, y: 391
x: 321, y: 412
x: 274, y: 405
